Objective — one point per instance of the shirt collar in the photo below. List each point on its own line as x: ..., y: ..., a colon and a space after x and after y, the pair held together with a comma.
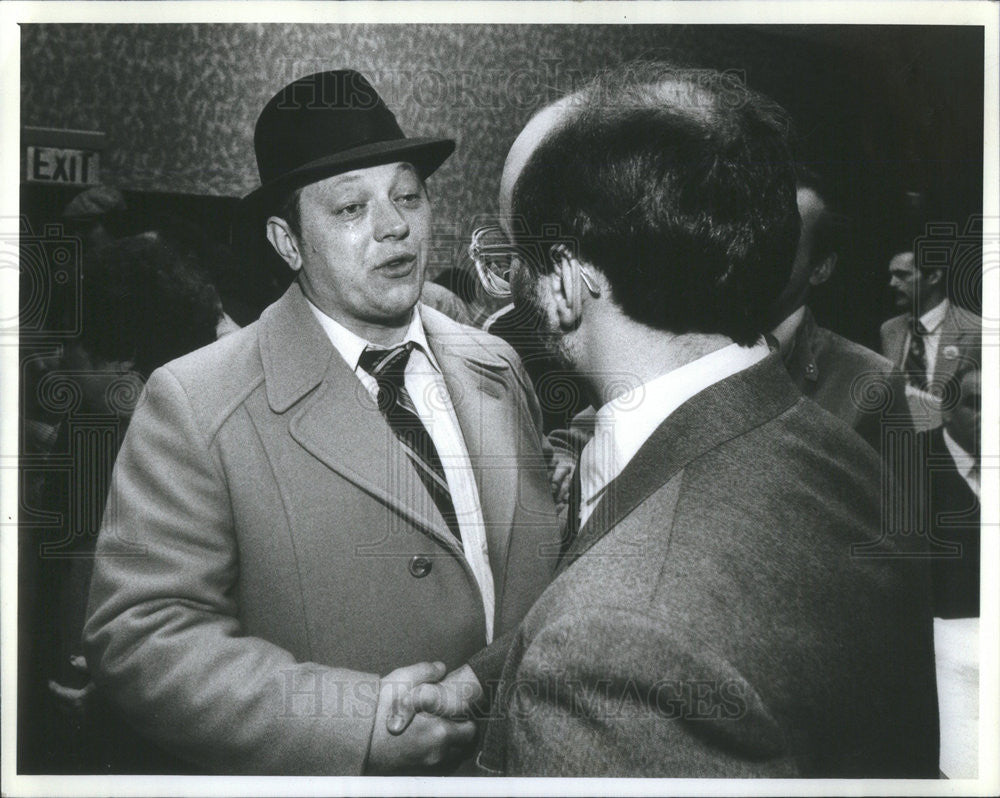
x: 624, y: 424
x: 350, y: 346
x: 932, y: 318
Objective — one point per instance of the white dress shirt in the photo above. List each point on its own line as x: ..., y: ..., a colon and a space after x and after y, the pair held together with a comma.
x: 426, y: 387
x: 932, y: 321
x: 624, y: 424
x: 965, y: 463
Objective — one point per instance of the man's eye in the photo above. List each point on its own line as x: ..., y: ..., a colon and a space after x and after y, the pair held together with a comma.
x: 351, y: 209
x: 408, y: 200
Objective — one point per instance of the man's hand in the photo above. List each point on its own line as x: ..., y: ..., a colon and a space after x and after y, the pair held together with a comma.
x: 428, y: 740
x: 564, y: 446
x: 454, y: 697
x: 563, y: 466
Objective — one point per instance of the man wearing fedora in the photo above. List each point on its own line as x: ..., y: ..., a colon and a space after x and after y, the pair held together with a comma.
x: 344, y: 499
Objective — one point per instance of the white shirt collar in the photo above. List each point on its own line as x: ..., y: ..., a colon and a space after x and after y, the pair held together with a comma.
x: 350, y: 346
x: 932, y: 318
x: 624, y: 424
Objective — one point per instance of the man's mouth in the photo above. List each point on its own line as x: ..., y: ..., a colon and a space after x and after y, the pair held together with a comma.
x: 398, y: 265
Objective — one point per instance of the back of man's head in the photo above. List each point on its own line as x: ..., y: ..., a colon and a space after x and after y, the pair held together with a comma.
x: 679, y: 186
x: 830, y: 225
x: 823, y: 233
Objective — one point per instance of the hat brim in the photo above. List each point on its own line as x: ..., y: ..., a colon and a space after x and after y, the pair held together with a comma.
x: 425, y: 154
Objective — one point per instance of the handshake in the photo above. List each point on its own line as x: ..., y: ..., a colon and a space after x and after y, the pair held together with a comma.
x: 423, y: 718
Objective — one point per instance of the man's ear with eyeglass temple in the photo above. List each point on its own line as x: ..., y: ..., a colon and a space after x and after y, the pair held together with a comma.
x: 567, y: 276
x: 563, y: 258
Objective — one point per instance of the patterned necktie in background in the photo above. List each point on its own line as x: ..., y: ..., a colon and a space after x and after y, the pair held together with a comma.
x: 388, y: 367
x: 915, y: 364
x: 573, y: 508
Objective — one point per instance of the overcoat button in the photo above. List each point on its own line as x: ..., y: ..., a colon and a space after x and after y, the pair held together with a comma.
x: 420, y: 566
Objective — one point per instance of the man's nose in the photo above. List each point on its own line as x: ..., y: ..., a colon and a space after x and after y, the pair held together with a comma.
x: 389, y: 222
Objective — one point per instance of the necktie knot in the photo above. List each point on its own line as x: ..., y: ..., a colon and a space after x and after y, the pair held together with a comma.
x: 388, y: 367
x: 389, y: 363
x: 919, y: 328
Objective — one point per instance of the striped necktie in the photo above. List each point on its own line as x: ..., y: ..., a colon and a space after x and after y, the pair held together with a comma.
x: 388, y: 367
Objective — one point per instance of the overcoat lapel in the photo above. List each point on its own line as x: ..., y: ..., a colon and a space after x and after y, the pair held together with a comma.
x: 333, y: 416
x: 479, y: 385
x: 722, y: 411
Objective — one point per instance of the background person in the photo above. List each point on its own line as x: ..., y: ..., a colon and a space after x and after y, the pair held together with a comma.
x: 857, y: 385
x: 141, y: 306
x: 932, y: 338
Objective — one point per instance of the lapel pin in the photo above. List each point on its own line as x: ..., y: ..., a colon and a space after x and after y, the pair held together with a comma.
x: 950, y: 352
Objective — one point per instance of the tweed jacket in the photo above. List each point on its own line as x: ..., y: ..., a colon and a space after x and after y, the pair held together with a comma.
x: 716, y: 616
x: 959, y: 349
x: 859, y: 386
x: 259, y: 566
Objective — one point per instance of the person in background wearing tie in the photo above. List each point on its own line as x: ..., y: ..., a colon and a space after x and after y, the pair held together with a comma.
x: 841, y: 376
x: 933, y: 338
x: 339, y: 501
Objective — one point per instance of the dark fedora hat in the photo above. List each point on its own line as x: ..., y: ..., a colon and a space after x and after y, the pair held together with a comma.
x: 328, y: 123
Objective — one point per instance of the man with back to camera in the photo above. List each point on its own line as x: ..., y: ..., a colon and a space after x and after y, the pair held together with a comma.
x: 708, y: 618
x: 345, y: 498
x: 933, y: 338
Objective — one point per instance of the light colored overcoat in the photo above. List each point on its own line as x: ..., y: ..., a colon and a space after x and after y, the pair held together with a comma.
x: 261, y: 565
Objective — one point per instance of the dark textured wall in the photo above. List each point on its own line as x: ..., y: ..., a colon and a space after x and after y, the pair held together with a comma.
x: 179, y: 102
x: 879, y: 108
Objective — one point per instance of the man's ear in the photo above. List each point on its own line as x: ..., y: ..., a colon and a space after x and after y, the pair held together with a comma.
x: 567, y: 288
x: 932, y: 276
x: 824, y: 270
x: 284, y: 242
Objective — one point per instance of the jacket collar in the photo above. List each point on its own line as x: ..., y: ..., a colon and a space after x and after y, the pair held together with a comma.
x: 482, y: 388
x: 802, y: 356
x: 294, y: 350
x: 721, y: 412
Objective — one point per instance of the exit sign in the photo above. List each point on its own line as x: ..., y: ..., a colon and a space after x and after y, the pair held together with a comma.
x: 66, y: 157
x: 53, y: 165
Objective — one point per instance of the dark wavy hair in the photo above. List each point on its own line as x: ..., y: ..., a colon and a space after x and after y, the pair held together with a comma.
x: 143, y: 300
x: 679, y: 185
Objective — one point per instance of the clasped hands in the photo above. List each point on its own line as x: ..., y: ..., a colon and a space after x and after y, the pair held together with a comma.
x: 423, y: 718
